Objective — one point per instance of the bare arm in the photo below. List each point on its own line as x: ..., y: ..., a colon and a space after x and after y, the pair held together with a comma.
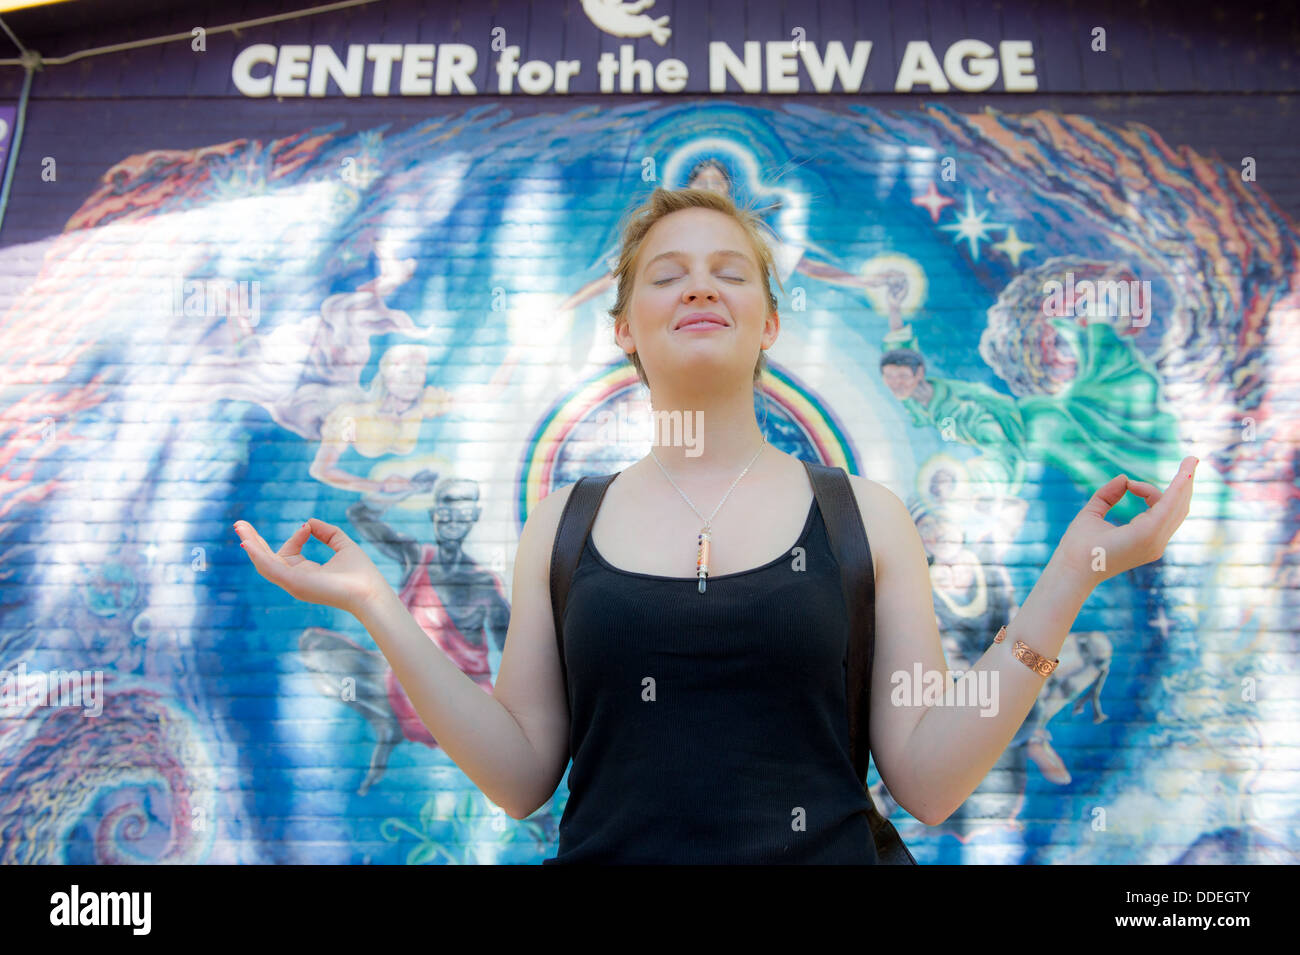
x: 513, y: 744
x: 337, y: 432
x: 529, y: 683
x: 933, y: 757
x: 907, y: 632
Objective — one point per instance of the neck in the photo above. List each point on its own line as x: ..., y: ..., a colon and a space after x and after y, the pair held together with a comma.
x: 705, y: 438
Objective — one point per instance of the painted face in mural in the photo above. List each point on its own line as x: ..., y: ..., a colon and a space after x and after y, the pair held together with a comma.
x: 701, y: 276
x: 404, y: 373
x: 942, y: 539
x: 902, y: 380
x: 456, y: 511
x: 943, y: 483
x: 711, y: 179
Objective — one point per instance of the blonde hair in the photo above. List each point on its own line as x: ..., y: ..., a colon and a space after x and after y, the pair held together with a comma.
x: 663, y: 202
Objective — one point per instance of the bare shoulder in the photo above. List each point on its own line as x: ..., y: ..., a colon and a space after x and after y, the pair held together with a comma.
x: 539, y: 530
x: 872, y: 492
x: 884, y: 516
x: 877, y: 502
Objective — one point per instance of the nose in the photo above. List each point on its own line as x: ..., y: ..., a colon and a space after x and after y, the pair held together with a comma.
x: 701, y: 288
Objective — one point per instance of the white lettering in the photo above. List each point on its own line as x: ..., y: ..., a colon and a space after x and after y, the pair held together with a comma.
x: 242, y: 72
x: 417, y: 69
x: 920, y: 66
x: 325, y: 66
x: 1018, y: 66
x: 983, y: 72
x: 456, y: 62
x: 383, y: 55
x: 291, y: 70
x: 835, y: 64
x: 723, y: 63
x: 103, y: 908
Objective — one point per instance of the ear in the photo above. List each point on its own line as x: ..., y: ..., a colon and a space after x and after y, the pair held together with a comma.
x: 771, y: 328
x: 623, y: 335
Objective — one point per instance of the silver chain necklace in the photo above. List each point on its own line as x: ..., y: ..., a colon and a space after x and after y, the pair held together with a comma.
x: 702, y: 551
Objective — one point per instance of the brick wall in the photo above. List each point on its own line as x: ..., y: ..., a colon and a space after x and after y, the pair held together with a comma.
x: 141, y: 420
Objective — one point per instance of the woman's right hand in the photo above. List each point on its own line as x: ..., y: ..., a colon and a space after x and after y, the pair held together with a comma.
x: 348, y: 580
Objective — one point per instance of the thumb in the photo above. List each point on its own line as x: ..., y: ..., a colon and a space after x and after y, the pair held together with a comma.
x: 1107, y: 496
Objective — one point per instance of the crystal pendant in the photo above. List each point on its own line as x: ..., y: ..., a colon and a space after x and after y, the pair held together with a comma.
x: 702, y: 557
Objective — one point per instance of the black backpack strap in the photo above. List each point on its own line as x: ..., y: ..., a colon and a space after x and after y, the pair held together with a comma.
x: 848, y: 540
x: 570, y: 538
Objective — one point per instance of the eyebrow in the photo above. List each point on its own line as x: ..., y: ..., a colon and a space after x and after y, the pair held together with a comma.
x: 729, y: 253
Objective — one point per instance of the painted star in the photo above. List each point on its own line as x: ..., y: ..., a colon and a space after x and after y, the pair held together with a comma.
x: 934, y: 202
x: 1161, y: 623
x: 971, y: 226
x: 1012, y: 247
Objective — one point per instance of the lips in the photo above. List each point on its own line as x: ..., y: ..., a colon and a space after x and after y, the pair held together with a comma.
x: 698, y: 319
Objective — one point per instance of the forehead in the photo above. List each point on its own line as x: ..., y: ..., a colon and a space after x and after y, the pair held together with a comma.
x: 457, y: 492
x: 694, y: 232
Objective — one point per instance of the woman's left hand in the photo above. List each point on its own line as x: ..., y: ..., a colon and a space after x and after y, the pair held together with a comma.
x: 1094, y: 550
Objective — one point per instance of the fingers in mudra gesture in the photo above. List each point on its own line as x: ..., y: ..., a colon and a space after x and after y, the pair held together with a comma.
x: 1097, y: 550
x: 347, y: 580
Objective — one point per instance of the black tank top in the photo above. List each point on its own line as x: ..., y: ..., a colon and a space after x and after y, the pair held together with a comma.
x: 712, y: 728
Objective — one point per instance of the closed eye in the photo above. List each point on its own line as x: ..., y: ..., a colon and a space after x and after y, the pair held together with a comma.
x: 733, y: 278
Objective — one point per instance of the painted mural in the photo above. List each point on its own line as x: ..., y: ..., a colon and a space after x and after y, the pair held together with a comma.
x: 403, y: 330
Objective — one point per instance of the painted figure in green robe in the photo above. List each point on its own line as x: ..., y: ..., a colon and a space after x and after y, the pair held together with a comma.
x: 1087, y: 401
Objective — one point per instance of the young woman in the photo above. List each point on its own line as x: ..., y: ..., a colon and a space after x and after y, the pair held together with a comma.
x: 711, y: 726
